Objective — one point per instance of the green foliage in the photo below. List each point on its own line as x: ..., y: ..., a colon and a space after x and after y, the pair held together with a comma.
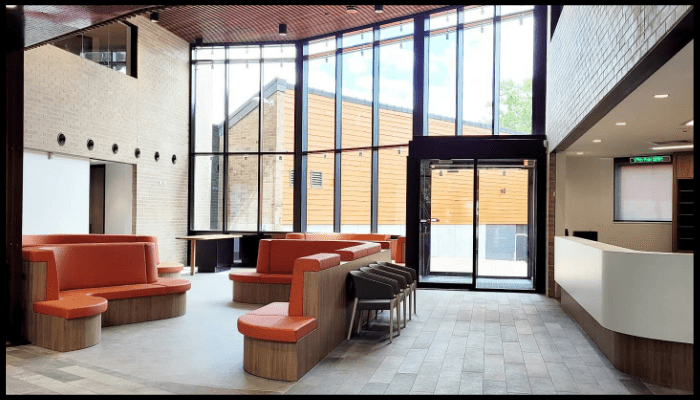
x: 517, y: 99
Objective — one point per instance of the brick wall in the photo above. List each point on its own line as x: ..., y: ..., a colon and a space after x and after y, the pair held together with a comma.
x: 84, y: 100
x: 592, y: 49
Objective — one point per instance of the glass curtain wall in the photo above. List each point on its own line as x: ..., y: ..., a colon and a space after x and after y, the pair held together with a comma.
x: 359, y: 117
x: 242, y: 152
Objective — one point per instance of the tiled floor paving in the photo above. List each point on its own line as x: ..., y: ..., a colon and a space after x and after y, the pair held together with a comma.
x: 460, y: 342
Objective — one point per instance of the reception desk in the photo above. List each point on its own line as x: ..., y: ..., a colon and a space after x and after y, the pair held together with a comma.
x: 637, y: 306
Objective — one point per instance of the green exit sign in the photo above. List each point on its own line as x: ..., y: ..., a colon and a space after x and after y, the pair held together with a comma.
x: 650, y: 159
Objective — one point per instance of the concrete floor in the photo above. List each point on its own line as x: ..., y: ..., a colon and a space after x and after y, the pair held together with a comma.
x: 459, y: 342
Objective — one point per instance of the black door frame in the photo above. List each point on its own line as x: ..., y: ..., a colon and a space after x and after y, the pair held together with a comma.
x: 532, y: 147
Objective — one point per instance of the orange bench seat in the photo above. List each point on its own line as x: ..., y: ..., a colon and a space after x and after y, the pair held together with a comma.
x: 275, y: 328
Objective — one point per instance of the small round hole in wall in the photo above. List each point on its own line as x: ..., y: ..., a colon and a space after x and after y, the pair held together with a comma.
x: 61, y: 139
x: 90, y: 144
x: 157, y: 156
x: 115, y: 148
x: 174, y: 159
x: 137, y: 152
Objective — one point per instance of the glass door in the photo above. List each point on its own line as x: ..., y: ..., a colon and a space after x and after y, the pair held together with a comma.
x: 446, y: 211
x: 505, y: 224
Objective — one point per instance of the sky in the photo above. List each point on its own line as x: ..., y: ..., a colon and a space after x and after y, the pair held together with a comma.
x: 396, y: 68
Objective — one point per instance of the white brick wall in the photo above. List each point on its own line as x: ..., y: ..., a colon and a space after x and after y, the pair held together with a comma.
x: 592, y: 49
x: 84, y: 100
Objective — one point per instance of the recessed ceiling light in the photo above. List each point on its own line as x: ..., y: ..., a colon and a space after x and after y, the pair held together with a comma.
x: 660, y: 96
x: 580, y: 153
x: 620, y: 123
x: 679, y: 147
x: 378, y: 9
x: 154, y: 17
x: 351, y: 9
x: 597, y: 141
x: 689, y: 123
x: 283, y: 30
x: 6, y: 6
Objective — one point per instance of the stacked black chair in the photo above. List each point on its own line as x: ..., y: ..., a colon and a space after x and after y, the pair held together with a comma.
x: 398, y: 278
x: 414, y: 284
x: 372, y: 292
x: 410, y: 282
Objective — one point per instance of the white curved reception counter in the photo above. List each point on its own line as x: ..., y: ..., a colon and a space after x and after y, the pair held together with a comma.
x: 635, y: 305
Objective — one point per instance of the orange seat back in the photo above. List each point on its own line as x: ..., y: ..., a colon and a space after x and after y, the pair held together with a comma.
x: 315, y: 262
x: 284, y: 252
x: 90, y: 265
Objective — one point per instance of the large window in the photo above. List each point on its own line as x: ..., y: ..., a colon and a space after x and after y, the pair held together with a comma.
x: 113, y: 46
x: 357, y: 115
x: 246, y: 149
x: 643, y: 192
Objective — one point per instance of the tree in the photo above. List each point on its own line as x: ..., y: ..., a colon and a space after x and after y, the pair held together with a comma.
x: 517, y: 99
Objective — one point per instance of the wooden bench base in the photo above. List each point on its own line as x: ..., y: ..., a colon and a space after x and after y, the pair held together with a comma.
x: 62, y: 334
x: 140, y: 309
x: 278, y: 360
x: 260, y: 293
x: 169, y: 275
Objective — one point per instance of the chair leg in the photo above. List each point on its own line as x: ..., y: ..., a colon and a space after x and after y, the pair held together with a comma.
x: 398, y: 312
x: 359, y: 321
x: 391, y: 320
x: 415, y: 305
x: 352, y: 318
x: 404, y: 308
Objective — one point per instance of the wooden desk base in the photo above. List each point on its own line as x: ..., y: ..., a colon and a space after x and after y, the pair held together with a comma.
x: 656, y: 361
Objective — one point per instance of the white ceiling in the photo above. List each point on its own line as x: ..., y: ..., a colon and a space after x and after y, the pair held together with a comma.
x: 648, y: 119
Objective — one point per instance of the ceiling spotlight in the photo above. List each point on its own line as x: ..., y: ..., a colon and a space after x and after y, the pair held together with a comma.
x: 580, y: 153
x: 620, y: 123
x: 660, y: 96
x: 597, y: 141
x: 379, y: 9
x: 689, y: 123
x: 154, y: 17
x: 283, y: 30
x: 351, y: 9
x: 199, y: 41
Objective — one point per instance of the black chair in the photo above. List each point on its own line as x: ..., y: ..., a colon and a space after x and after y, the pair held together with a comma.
x: 373, y: 293
x: 400, y: 281
x: 406, y: 289
x: 414, y: 284
x: 411, y: 282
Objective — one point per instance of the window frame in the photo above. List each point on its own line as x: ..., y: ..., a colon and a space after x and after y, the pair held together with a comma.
x: 619, y: 162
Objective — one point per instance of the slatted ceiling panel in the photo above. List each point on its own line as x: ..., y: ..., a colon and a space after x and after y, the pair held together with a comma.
x: 259, y: 23
x: 44, y: 23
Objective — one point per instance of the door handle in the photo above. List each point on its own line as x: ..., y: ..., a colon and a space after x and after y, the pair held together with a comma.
x: 429, y: 220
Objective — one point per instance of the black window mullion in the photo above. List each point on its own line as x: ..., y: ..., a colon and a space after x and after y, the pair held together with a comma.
x: 193, y: 107
x: 460, y: 71
x: 224, y: 197
x: 261, y: 104
x: 375, y: 133
x: 301, y: 119
x: 338, y: 129
x: 420, y: 76
x: 496, y: 70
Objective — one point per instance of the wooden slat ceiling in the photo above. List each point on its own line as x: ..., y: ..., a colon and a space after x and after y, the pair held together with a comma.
x: 214, y: 24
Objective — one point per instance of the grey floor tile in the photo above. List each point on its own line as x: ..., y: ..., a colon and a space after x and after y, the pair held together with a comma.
x: 541, y: 386
x: 401, y: 384
x: 635, y: 386
x: 494, y: 367
x: 535, y: 365
x: 473, y: 360
x: 493, y: 344
x: 512, y: 352
x: 412, y: 361
x: 471, y: 383
x: 495, y: 387
x: 475, y: 339
x: 508, y: 334
x: 374, y: 388
x: 561, y: 378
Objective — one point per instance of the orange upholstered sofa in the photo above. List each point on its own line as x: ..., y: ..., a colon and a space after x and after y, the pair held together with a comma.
x: 384, y: 240
x: 72, y: 290
x: 400, y: 250
x: 165, y: 269
x: 271, y: 281
x: 284, y: 340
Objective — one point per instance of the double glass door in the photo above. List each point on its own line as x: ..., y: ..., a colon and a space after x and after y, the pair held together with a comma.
x: 477, y: 223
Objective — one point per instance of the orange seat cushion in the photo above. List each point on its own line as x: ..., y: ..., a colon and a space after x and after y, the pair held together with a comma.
x: 167, y: 267
x: 279, y: 308
x: 276, y: 328
x: 70, y: 307
x: 245, y: 276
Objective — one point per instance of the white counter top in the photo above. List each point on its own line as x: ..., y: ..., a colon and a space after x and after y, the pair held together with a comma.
x: 639, y: 293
